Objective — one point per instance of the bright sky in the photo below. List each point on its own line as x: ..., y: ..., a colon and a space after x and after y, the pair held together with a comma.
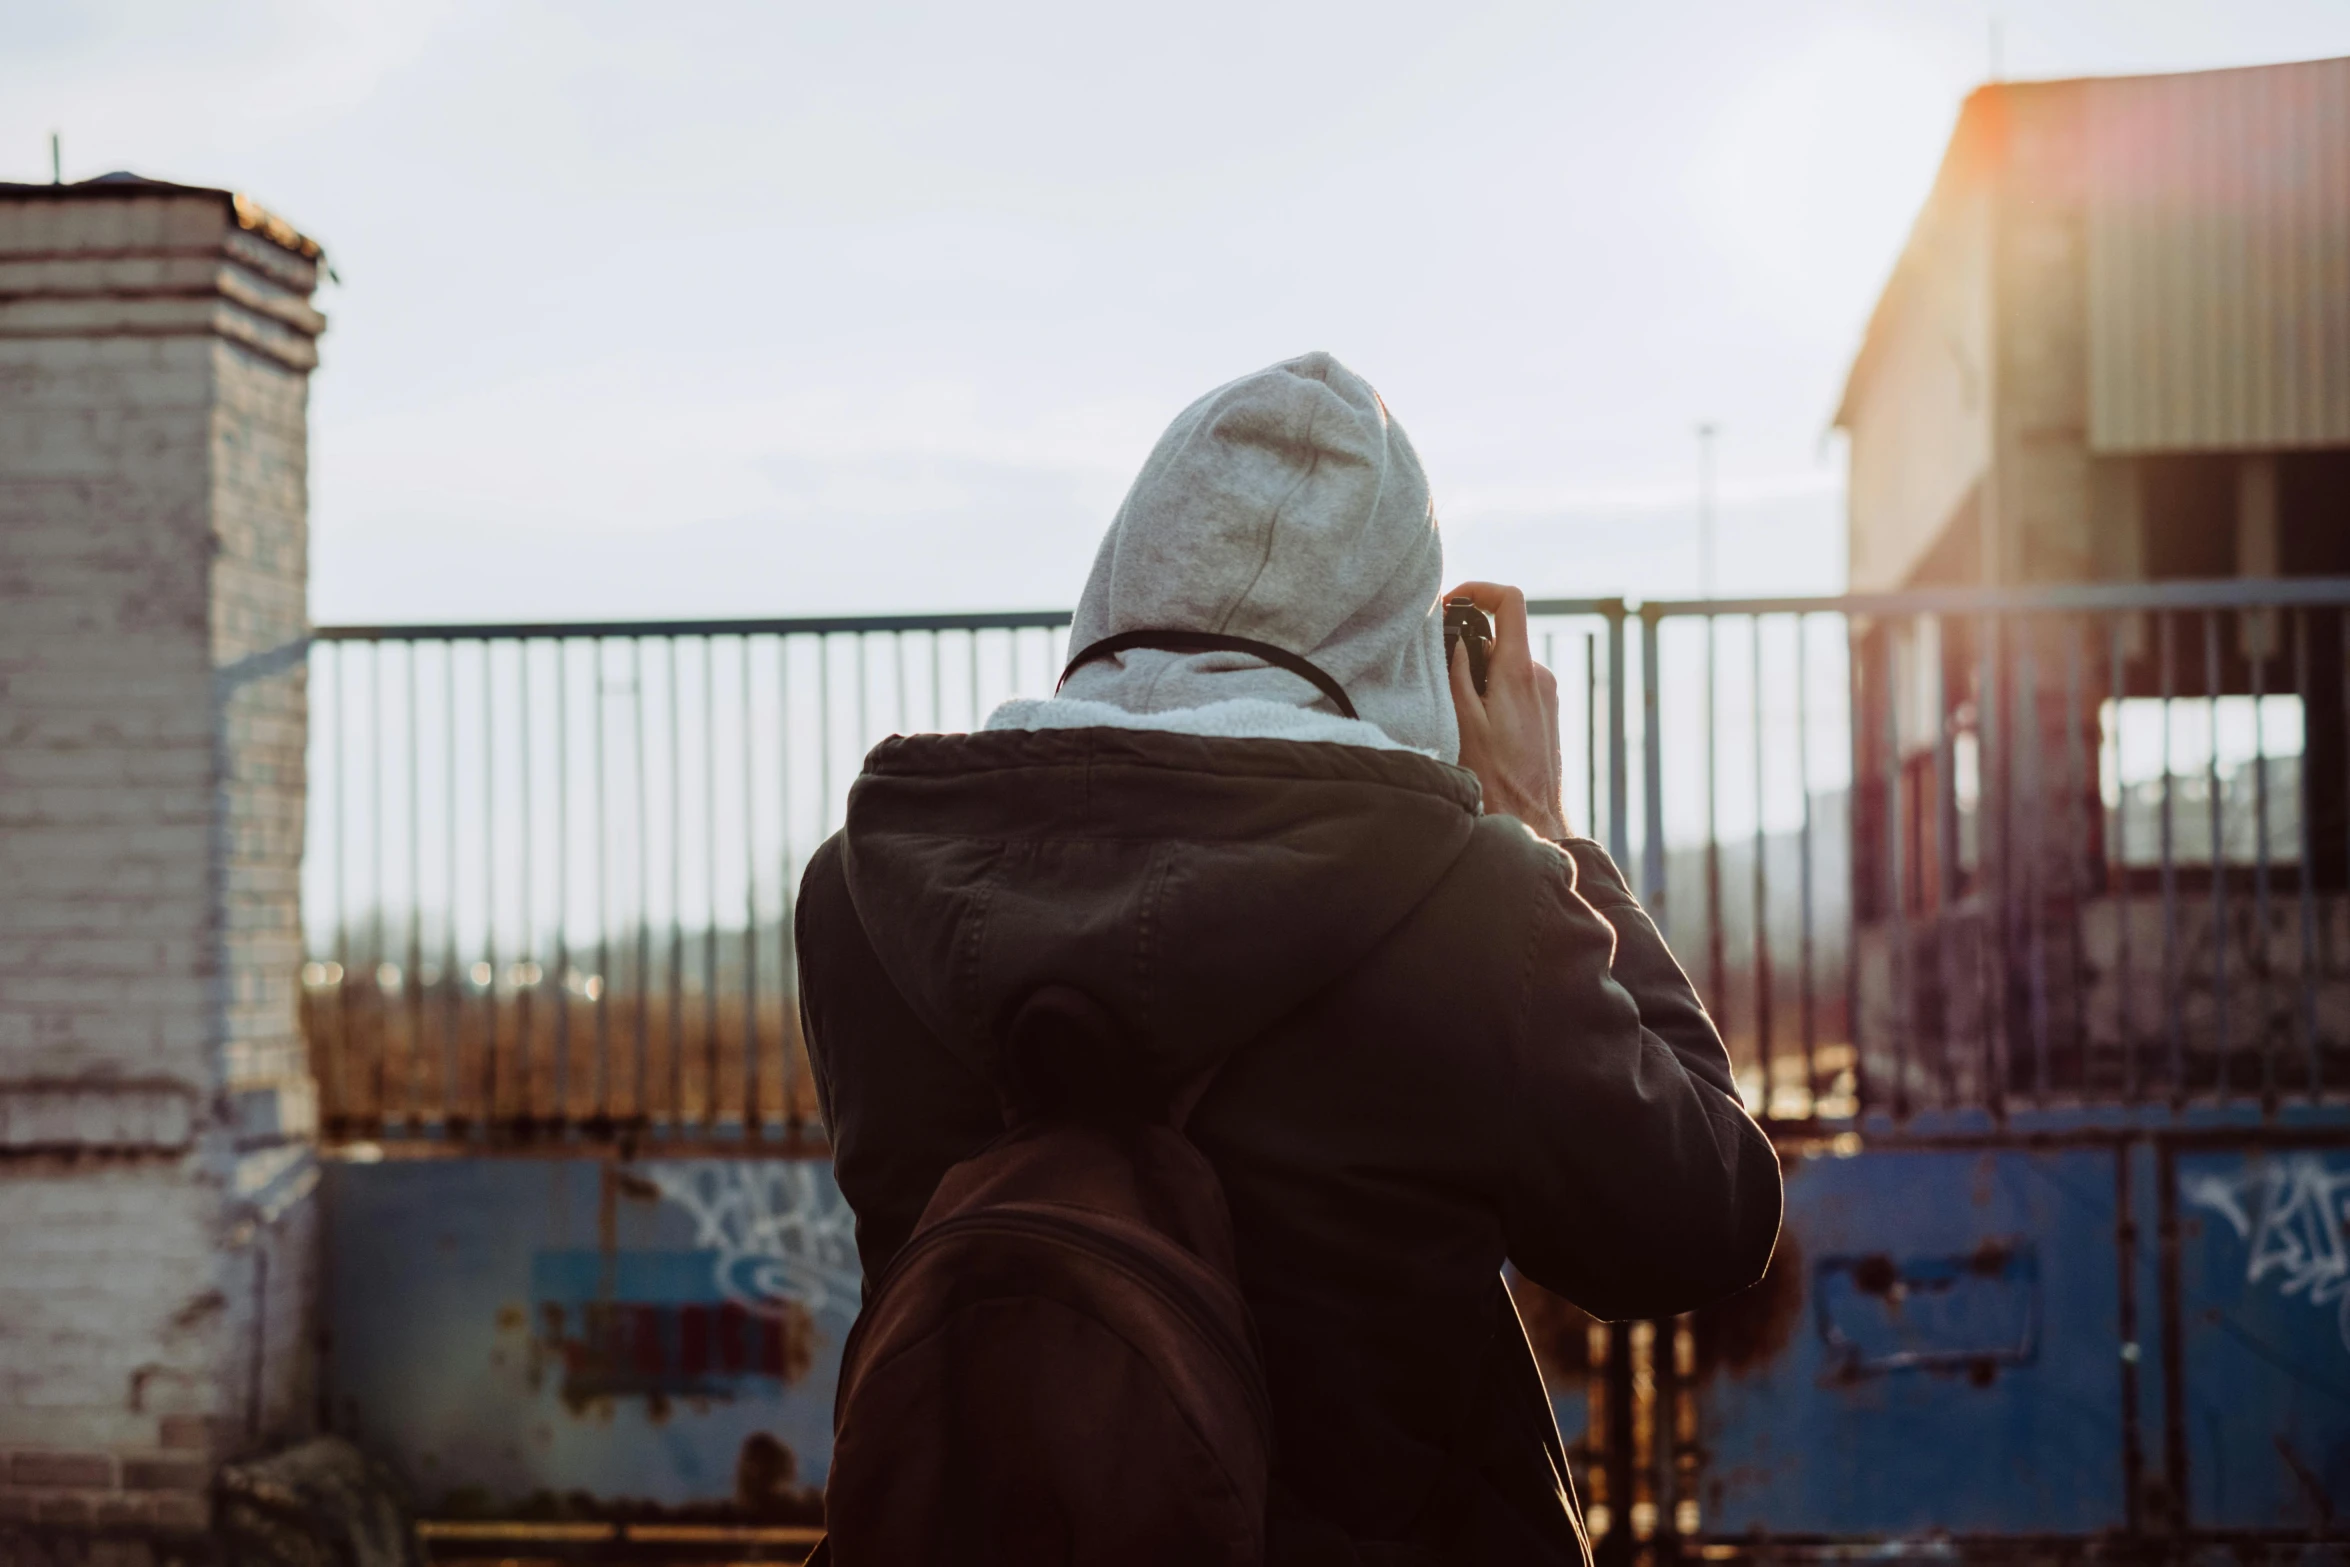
x: 739, y: 308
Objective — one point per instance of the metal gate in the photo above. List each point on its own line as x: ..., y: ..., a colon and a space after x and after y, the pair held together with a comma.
x: 2026, y: 915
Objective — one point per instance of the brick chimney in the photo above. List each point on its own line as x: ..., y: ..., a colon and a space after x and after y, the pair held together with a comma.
x: 156, y: 1109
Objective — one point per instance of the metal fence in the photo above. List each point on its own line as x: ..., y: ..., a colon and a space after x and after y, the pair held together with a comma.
x: 1926, y: 855
x: 550, y: 871
x: 2007, y: 894
x: 2099, y: 845
x: 551, y: 867
x: 2025, y: 915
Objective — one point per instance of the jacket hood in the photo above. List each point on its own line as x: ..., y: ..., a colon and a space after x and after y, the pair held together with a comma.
x: 1198, y: 888
x: 1287, y: 506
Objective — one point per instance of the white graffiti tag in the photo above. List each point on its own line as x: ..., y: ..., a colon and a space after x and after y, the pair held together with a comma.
x: 2291, y: 1213
x: 781, y: 1234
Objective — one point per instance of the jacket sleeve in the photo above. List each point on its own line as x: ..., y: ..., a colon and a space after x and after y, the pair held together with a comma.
x: 1639, y: 1186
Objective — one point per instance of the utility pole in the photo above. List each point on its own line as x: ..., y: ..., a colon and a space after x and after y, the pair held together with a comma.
x: 1705, y: 507
x: 56, y: 161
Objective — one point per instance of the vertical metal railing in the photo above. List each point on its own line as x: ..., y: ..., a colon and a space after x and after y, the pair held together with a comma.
x: 1582, y: 642
x: 1745, y: 835
x: 551, y: 869
x: 1930, y: 854
x: 2023, y: 851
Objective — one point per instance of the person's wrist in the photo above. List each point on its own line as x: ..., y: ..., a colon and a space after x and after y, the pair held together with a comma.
x: 1544, y: 818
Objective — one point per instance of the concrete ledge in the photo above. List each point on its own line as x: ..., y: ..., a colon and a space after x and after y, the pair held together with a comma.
x: 157, y: 1116
x: 189, y: 275
x: 158, y: 315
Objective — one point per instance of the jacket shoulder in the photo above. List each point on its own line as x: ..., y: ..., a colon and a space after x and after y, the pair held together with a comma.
x: 825, y: 874
x: 1507, y: 857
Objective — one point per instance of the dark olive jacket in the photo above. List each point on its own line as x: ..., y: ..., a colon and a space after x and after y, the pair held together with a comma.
x: 1448, y: 1044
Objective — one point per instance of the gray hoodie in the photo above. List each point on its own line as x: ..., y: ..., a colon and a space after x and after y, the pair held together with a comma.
x: 1288, y: 507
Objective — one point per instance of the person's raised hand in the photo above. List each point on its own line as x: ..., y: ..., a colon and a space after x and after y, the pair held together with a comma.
x: 1510, y: 735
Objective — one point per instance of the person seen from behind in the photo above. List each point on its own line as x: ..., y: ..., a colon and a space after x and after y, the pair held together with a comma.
x: 1197, y: 1046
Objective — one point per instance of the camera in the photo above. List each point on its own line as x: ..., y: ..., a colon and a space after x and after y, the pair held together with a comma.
x: 1465, y: 623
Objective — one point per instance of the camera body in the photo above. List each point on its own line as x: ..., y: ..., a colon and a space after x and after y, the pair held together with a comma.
x: 1465, y: 625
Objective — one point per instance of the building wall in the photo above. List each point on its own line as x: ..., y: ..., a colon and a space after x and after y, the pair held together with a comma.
x: 1918, y: 406
x: 156, y: 1284
x: 118, y: 1321
x: 104, y: 457
x: 259, y: 489
x: 2037, y: 525
x: 2105, y: 271
x: 2219, y: 248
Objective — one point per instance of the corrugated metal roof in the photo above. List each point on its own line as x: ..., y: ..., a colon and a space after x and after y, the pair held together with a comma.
x: 2219, y: 259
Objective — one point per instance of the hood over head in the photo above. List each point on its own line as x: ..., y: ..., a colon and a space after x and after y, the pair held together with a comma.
x: 1287, y: 507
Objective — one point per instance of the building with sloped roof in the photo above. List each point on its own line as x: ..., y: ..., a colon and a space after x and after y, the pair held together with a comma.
x: 2117, y: 343
x: 2115, y: 350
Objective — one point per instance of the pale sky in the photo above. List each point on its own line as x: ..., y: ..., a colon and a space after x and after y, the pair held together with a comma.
x: 730, y: 308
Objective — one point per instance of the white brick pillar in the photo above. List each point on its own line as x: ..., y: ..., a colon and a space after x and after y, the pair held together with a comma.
x: 156, y: 1109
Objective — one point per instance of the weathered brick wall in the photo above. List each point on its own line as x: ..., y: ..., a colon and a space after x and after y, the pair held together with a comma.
x: 117, y: 1323
x: 259, y: 618
x: 155, y: 1109
x: 106, y: 765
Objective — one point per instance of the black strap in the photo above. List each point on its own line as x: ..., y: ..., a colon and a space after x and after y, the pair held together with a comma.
x: 1212, y: 642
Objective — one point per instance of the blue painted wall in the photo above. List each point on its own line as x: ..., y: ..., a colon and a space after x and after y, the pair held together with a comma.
x: 1936, y: 1350
x: 504, y: 1329
x: 2264, y: 1280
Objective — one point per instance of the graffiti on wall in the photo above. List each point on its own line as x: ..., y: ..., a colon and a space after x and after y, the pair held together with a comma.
x: 2291, y: 1214
x: 784, y: 1236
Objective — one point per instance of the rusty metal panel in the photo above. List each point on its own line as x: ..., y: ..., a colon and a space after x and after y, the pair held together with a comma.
x: 2219, y: 259
x: 525, y: 1338
x: 1934, y: 1350
x: 2263, y: 1346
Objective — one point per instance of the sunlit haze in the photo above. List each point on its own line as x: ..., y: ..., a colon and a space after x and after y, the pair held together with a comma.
x: 735, y: 309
